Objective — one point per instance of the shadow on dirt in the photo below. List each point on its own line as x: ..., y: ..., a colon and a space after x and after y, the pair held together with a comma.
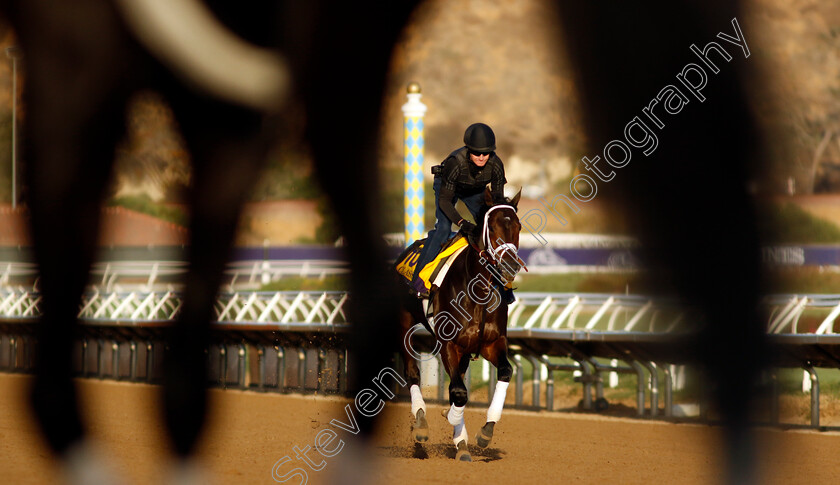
x: 440, y: 450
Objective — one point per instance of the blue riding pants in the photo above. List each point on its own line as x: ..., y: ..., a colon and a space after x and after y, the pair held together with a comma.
x: 443, y: 226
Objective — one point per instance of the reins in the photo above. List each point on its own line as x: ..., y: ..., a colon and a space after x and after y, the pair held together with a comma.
x: 494, y: 255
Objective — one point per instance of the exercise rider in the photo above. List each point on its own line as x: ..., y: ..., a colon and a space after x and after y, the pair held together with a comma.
x: 463, y: 176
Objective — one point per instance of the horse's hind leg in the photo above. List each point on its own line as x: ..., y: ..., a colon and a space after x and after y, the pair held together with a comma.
x: 496, y: 354
x: 456, y: 362
x: 412, y: 373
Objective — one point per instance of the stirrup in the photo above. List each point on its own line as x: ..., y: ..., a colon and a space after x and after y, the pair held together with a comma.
x: 428, y: 309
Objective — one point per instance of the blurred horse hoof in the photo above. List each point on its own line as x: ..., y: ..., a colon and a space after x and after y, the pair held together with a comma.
x: 485, y: 435
x: 188, y: 471
x: 86, y: 462
x: 463, y: 454
x: 421, y: 427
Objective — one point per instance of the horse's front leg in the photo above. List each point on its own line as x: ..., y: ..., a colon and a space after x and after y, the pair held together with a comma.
x: 496, y: 354
x: 456, y: 362
x: 412, y: 374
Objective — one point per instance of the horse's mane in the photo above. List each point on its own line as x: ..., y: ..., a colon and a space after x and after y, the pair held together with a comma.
x: 484, y: 208
x: 483, y: 211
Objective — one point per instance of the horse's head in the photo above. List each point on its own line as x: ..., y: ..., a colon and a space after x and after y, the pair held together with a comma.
x: 500, y: 235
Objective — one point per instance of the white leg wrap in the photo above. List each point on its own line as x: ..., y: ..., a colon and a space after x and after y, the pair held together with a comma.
x: 417, y: 402
x: 456, y: 415
x: 459, y: 433
x: 456, y: 419
x: 494, y: 412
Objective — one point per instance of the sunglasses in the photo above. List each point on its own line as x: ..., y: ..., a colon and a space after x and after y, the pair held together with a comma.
x: 479, y: 154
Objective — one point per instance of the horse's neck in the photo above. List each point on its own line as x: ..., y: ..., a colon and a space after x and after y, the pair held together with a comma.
x: 474, y: 267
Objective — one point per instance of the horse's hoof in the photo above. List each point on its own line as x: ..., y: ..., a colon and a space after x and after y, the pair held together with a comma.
x: 463, y: 454
x: 485, y: 435
x: 421, y: 427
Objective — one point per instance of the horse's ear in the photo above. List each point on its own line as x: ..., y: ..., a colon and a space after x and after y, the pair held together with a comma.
x: 488, y: 196
x: 515, y: 200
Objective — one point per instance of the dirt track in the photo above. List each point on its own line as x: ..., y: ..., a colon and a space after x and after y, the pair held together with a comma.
x: 539, y: 448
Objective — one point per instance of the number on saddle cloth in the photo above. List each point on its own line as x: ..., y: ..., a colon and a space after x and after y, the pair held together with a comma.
x: 407, y: 260
x: 436, y: 269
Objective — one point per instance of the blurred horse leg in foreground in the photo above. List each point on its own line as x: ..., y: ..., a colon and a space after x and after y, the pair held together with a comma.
x: 74, y: 101
x: 82, y: 65
x: 340, y: 55
x: 687, y: 200
x: 341, y: 67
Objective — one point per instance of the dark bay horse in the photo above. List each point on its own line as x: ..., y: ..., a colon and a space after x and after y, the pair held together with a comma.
x: 470, y: 318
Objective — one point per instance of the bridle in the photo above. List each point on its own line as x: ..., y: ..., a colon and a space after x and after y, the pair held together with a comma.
x: 497, y: 253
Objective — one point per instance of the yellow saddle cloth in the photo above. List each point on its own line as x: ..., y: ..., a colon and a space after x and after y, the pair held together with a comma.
x: 435, y: 271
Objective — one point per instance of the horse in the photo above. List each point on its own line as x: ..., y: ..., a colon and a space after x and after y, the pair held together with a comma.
x: 470, y: 318
x: 230, y: 75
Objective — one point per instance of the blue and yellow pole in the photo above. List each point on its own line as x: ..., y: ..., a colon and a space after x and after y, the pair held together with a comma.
x: 413, y: 112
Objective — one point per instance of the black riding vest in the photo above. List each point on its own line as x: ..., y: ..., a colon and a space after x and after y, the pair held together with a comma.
x: 464, y: 178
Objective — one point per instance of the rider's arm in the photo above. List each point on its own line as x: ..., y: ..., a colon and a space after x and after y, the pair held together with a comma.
x: 447, y: 195
x: 497, y: 182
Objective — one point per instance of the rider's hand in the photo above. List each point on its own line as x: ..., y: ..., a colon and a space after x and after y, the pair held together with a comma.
x: 469, y: 228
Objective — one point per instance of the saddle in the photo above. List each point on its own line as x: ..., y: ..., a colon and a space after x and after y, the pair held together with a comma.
x: 435, y: 271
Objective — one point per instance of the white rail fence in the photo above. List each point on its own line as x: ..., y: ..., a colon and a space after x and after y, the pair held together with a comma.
x: 533, y: 315
x: 785, y: 314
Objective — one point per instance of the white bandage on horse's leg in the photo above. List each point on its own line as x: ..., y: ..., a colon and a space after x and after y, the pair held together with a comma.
x: 456, y: 415
x: 459, y: 433
x: 494, y: 412
x: 417, y: 402
x: 456, y: 419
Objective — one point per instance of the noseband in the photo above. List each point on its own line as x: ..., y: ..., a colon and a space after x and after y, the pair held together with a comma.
x: 497, y: 253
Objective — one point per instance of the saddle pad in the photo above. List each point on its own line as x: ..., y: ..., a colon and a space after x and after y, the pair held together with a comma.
x: 435, y: 271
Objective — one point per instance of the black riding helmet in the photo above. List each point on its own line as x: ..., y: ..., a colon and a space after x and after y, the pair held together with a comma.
x: 480, y: 138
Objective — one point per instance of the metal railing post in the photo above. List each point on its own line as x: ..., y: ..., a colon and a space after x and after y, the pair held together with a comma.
x: 815, y: 396
x: 669, y: 399
x: 242, y: 374
x: 150, y: 358
x: 281, y: 370
x: 640, y: 387
x: 342, y: 372
x: 535, y: 380
x: 261, y: 366
x: 115, y: 359
x: 302, y: 369
x: 517, y: 363
x: 654, y: 388
x: 223, y: 371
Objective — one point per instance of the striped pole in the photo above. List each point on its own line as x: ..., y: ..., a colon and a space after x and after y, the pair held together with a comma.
x: 413, y: 112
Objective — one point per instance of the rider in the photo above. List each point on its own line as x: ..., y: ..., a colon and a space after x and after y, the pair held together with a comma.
x: 462, y: 176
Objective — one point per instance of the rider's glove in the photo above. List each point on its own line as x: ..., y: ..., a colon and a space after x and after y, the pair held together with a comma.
x: 469, y: 228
